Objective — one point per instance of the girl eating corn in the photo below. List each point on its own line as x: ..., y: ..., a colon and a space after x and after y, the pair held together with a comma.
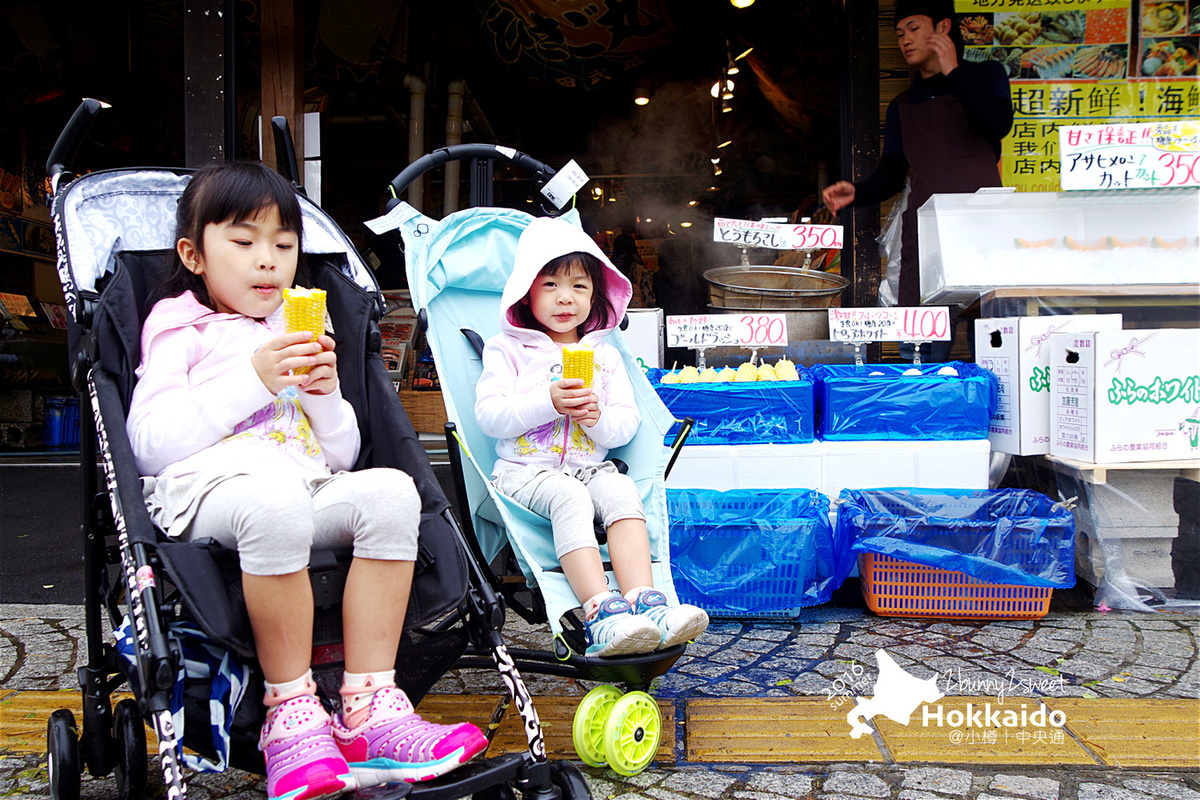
x: 553, y: 432
x: 242, y: 435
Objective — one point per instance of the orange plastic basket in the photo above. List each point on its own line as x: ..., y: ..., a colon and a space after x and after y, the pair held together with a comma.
x: 895, y: 588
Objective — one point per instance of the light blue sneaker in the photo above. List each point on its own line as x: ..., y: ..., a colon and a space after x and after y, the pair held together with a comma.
x: 616, y: 630
x: 676, y: 623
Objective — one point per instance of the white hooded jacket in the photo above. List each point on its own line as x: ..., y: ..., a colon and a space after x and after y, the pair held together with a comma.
x: 512, y: 401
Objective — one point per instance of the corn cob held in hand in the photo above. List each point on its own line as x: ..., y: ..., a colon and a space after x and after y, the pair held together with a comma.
x: 578, y: 362
x: 304, y: 310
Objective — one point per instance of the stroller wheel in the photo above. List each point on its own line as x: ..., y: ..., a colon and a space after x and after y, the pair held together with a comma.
x: 130, y: 733
x: 62, y: 756
x: 587, y: 730
x: 632, y: 733
x: 569, y: 779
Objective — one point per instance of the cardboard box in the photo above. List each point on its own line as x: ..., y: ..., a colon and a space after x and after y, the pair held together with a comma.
x: 1016, y: 350
x: 645, y: 335
x: 1120, y: 396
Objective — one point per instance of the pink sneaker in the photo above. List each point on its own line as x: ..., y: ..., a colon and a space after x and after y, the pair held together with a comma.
x: 302, y: 760
x: 394, y: 744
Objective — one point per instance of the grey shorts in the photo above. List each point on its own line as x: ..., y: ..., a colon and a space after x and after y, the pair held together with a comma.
x: 573, y: 499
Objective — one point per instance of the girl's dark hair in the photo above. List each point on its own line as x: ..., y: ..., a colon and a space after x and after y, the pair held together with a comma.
x: 219, y: 193
x: 602, y: 315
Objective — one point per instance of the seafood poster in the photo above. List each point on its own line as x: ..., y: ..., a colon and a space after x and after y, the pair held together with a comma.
x: 1123, y: 156
x: 1080, y: 62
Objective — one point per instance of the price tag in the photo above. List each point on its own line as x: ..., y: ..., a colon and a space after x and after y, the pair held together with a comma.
x: 748, y: 233
x: 727, y: 330
x: 923, y: 324
x: 565, y: 184
x: 1130, y: 156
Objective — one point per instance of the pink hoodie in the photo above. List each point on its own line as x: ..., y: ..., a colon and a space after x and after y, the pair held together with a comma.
x: 199, y: 405
x: 512, y: 401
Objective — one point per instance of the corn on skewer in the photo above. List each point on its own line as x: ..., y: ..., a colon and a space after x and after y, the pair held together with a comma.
x: 578, y: 362
x: 304, y: 310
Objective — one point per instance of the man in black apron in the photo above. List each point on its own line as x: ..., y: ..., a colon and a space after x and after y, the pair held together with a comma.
x: 943, y: 132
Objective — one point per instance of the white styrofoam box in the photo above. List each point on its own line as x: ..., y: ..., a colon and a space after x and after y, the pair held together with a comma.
x: 704, y: 467
x: 747, y: 466
x: 973, y: 243
x: 645, y: 335
x: 779, y: 466
x: 1016, y: 350
x: 956, y: 464
x: 1119, y: 396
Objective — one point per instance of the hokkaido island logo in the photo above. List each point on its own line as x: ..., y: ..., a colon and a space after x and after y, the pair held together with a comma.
x: 897, y: 696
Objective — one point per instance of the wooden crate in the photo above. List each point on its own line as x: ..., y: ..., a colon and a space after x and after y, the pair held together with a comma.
x: 425, y: 409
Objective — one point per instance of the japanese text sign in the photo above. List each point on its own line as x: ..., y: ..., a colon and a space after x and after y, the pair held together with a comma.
x: 1130, y: 156
x: 777, y: 236
x: 726, y: 330
x: 925, y: 324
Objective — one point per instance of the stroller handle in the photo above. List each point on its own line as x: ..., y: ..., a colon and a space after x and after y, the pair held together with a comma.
x: 67, y: 146
x: 458, y: 152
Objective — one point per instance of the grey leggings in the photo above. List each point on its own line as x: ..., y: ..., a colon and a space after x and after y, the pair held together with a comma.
x: 273, y: 519
x: 573, y: 499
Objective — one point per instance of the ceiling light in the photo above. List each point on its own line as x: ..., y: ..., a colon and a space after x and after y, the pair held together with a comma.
x: 612, y: 199
x: 725, y: 109
x: 685, y: 224
x: 741, y: 3
x: 716, y: 160
x: 641, y: 96
x: 745, y: 53
x: 692, y: 202
x: 714, y: 188
x: 716, y: 89
x: 725, y: 143
x: 732, y: 69
x: 728, y: 93
x: 717, y: 170
x: 648, y: 219
x: 597, y: 192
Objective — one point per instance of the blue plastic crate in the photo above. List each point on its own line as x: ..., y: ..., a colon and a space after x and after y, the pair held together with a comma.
x: 879, y: 401
x: 754, y: 553
x: 766, y: 412
x: 61, y: 422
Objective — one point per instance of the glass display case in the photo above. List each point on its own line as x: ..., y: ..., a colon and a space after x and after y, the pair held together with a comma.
x: 974, y: 243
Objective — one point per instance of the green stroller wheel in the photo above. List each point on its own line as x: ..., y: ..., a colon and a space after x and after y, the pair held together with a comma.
x: 587, y: 730
x: 632, y: 733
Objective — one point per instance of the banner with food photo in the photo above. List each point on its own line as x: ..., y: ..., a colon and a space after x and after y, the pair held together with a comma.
x: 1073, y: 62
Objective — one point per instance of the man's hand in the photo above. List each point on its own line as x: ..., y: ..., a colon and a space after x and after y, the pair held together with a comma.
x: 941, y: 44
x: 838, y: 196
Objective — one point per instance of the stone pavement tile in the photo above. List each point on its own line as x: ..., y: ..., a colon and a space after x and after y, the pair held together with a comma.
x: 786, y: 784
x: 937, y: 779
x: 1025, y: 786
x: 704, y: 783
x: 1100, y: 791
x: 856, y: 784
x: 1162, y: 788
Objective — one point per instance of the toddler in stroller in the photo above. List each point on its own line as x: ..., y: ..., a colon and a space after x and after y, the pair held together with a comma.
x: 553, y: 433
x: 241, y: 444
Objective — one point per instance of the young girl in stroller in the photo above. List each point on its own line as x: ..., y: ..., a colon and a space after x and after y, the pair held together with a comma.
x: 553, y: 434
x: 235, y: 444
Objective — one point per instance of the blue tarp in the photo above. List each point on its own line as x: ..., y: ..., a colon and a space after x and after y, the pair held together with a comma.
x: 878, y: 401
x: 1008, y: 536
x: 767, y: 412
x: 747, y: 552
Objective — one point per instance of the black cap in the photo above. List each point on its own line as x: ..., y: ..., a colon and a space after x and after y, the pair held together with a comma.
x: 936, y: 10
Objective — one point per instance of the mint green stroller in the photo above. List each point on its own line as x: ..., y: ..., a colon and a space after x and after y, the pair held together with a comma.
x: 457, y: 268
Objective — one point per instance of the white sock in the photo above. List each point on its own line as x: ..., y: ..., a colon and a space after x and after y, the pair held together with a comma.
x: 592, y: 605
x: 358, y: 688
x: 279, y: 693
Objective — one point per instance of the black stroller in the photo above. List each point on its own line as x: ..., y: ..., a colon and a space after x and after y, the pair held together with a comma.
x: 114, y: 231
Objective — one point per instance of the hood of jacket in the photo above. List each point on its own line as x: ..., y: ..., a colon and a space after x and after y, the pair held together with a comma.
x: 545, y: 239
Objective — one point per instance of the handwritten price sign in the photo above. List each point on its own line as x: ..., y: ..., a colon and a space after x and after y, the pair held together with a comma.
x: 925, y: 324
x: 726, y: 330
x: 777, y: 236
x: 1133, y: 156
